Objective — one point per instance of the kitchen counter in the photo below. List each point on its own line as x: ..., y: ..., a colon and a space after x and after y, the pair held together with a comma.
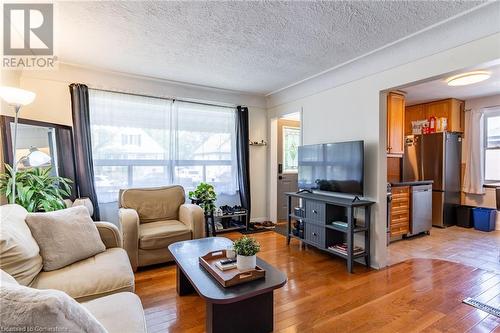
x: 414, y: 183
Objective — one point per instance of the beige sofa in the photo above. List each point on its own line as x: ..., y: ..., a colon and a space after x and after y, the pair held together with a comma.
x: 103, y: 283
x: 153, y: 218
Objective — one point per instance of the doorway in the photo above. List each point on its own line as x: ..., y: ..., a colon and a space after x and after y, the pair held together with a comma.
x: 442, y: 133
x: 288, y: 141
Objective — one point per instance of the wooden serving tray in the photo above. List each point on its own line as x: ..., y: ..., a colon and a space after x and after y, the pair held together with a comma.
x: 231, y: 277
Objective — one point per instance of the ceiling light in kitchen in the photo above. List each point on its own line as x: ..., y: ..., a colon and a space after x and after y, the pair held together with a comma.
x: 468, y: 78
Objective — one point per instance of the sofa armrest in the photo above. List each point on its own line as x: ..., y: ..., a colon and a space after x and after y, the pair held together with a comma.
x: 129, y: 222
x: 110, y: 235
x: 193, y: 216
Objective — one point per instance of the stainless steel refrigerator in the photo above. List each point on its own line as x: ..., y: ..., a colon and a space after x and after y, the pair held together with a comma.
x: 436, y: 157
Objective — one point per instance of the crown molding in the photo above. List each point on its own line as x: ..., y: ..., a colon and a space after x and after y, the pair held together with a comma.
x: 100, y: 78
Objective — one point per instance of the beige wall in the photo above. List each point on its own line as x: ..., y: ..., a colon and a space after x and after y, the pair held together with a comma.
x: 357, y: 111
x: 53, y: 105
x: 8, y: 78
x: 258, y: 163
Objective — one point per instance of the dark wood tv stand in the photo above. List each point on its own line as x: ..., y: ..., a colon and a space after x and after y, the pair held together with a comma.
x: 329, y: 220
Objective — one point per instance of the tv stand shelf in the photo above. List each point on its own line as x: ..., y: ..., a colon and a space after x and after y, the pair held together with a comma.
x: 319, y: 214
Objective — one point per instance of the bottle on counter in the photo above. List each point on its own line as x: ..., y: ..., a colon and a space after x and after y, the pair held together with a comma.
x: 432, y: 124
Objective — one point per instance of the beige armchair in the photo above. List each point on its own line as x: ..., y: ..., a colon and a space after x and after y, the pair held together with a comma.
x: 153, y: 218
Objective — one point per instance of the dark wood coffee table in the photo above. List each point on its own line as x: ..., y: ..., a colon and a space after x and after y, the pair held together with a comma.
x: 247, y: 307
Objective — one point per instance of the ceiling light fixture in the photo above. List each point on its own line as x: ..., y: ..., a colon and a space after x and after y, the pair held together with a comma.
x: 468, y: 78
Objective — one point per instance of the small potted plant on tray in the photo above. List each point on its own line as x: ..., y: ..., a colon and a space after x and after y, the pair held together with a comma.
x: 246, y: 248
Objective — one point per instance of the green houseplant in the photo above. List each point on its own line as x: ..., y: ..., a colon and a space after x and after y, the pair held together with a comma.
x: 204, y: 195
x: 246, y: 249
x: 36, y: 189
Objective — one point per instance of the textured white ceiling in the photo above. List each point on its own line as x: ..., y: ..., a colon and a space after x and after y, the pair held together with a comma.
x: 255, y: 47
x: 438, y: 89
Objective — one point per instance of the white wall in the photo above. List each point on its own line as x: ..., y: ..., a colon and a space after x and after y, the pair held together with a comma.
x: 53, y: 105
x: 356, y: 111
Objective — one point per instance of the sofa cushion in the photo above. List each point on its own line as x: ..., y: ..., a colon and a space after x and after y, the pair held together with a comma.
x: 130, y: 317
x: 19, y: 252
x: 154, y: 204
x: 106, y: 273
x: 161, y: 234
x: 23, y: 308
x: 65, y: 236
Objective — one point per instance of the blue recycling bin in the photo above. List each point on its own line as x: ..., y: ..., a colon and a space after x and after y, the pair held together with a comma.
x: 484, y: 218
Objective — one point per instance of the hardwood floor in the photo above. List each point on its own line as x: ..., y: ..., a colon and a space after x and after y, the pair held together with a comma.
x: 418, y: 295
x: 467, y: 246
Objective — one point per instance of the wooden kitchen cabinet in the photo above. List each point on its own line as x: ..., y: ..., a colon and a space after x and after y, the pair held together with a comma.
x: 413, y: 113
x: 451, y: 108
x: 395, y: 124
x: 400, y: 211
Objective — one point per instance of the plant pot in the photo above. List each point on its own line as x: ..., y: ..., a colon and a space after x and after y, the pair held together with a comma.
x: 244, y: 263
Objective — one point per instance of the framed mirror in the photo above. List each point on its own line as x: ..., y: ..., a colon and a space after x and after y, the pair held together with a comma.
x: 39, y: 144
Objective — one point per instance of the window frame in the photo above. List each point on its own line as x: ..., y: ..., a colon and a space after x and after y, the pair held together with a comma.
x: 169, y: 166
x: 489, y: 113
x: 283, y: 148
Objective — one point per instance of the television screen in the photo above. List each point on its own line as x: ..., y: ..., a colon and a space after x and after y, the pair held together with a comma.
x: 332, y: 167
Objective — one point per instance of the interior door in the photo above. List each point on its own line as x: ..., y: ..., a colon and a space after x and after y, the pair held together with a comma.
x: 288, y: 142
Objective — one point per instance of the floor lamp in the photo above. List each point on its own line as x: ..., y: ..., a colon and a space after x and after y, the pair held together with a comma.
x: 17, y: 98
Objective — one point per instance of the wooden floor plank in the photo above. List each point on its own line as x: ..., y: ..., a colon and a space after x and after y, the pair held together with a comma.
x: 418, y: 295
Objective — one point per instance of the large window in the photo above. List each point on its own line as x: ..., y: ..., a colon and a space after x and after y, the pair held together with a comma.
x: 492, y: 145
x: 142, y: 141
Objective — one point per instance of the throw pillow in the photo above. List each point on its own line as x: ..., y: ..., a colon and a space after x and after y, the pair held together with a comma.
x: 19, y: 252
x: 6, y: 278
x: 65, y: 236
x: 24, y: 309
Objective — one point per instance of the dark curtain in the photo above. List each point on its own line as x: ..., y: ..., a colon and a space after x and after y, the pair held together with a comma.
x: 66, y: 157
x: 243, y: 156
x: 82, y: 144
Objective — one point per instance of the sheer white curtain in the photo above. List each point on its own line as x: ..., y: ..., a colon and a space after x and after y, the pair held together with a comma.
x: 204, y: 147
x: 140, y: 141
x: 130, y: 139
x: 474, y: 152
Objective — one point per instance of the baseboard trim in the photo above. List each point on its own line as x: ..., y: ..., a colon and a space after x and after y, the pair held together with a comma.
x: 259, y: 219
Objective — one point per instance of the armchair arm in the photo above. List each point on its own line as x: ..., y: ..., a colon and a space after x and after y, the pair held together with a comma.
x: 193, y: 216
x: 129, y: 222
x: 110, y: 235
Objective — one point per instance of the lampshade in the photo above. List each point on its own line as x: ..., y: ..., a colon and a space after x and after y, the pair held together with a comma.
x: 37, y: 158
x: 16, y: 96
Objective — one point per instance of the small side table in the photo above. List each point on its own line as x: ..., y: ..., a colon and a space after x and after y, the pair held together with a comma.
x: 209, y: 218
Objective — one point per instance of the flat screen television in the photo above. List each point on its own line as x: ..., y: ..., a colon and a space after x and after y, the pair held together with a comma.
x: 332, y: 167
